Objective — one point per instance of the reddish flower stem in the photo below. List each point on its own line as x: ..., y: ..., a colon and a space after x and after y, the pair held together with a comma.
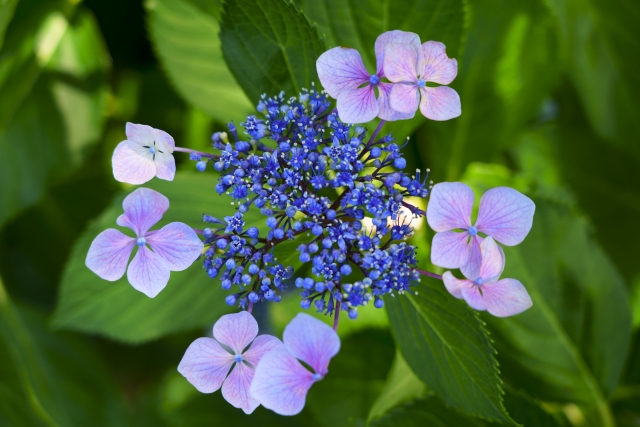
x: 200, y: 153
x: 250, y: 308
x: 428, y: 273
x: 335, y: 318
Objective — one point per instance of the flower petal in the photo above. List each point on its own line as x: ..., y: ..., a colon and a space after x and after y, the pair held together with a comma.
x: 281, y: 383
x: 440, y: 103
x: 401, y: 62
x: 492, y: 262
x: 236, y: 330
x: 404, y: 98
x: 386, y: 112
x: 142, y: 208
x: 165, y: 166
x: 357, y: 105
x: 395, y: 36
x: 141, y: 134
x: 259, y: 347
x: 109, y: 254
x: 450, y: 249
x: 450, y: 206
x: 506, y: 297
x: 471, y: 269
x: 132, y: 163
x: 474, y: 298
x: 311, y: 341
x: 164, y: 141
x: 148, y: 272
x: 455, y: 285
x: 177, y: 243
x: 235, y: 389
x: 436, y: 66
x: 205, y: 364
x: 339, y: 69
x: 506, y: 215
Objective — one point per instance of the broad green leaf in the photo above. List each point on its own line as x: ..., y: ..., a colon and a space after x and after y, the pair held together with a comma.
x: 116, y: 310
x: 446, y: 345
x: 6, y: 13
x: 186, y: 41
x: 269, y: 46
x: 428, y: 411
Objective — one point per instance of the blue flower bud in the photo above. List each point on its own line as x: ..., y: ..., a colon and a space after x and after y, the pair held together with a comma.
x: 317, y: 230
x: 313, y: 247
x: 331, y: 214
x: 399, y: 163
x: 291, y: 211
x: 212, y: 272
x: 246, y: 279
x: 201, y: 165
x: 270, y: 295
x: 327, y: 242
x: 226, y: 284
x: 231, y: 263
x: 253, y: 269
x: 378, y: 303
x: 272, y: 222
x: 208, y: 233
x: 253, y: 297
x: 221, y: 243
x: 320, y: 287
x: 297, y: 226
x: 345, y: 270
x: 308, y: 283
x: 231, y: 300
x: 353, y: 313
x: 305, y: 303
x: 375, y: 152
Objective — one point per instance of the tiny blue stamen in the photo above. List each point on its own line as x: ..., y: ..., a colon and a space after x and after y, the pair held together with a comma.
x: 238, y: 358
x: 141, y: 241
x: 374, y: 79
x: 152, y: 150
x: 316, y: 377
x: 472, y: 231
x: 478, y: 281
x: 421, y: 83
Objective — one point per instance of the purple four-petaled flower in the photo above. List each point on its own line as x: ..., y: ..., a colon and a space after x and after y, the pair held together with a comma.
x: 173, y: 248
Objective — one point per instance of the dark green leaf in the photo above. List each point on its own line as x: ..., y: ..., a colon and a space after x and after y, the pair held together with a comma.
x: 6, y: 13
x: 445, y: 344
x: 428, y: 411
x: 269, y: 47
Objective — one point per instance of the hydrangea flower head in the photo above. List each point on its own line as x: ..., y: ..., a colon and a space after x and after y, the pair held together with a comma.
x: 147, y: 152
x: 173, y: 248
x: 345, y: 78
x: 411, y: 68
x: 484, y: 291
x: 207, y: 362
x: 281, y: 382
x: 504, y: 214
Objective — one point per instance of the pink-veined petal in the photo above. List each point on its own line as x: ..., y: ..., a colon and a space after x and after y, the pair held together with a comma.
x: 357, y: 105
x: 474, y: 298
x: 386, y: 112
x: 142, y: 208
x: 339, y: 69
x: 450, y: 249
x: 401, y: 62
x: 164, y: 141
x: 235, y: 389
x: 506, y: 215
x: 404, y: 98
x: 177, y: 243
x: 436, y: 66
x: 109, y: 254
x: 132, y: 163
x: 506, y: 297
x: 259, y: 347
x: 141, y: 134
x: 471, y: 269
x: 395, y: 36
x: 165, y: 166
x: 236, y: 330
x: 205, y: 364
x: 455, y: 285
x: 148, y: 272
x: 492, y: 262
x: 281, y: 383
x: 450, y: 206
x: 440, y: 103
x: 311, y: 341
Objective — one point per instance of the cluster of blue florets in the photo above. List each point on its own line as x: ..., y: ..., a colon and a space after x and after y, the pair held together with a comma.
x: 324, y: 183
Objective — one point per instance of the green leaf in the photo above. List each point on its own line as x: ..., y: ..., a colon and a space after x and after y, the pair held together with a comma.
x: 269, y: 47
x: 7, y: 8
x: 430, y: 412
x: 116, y: 310
x: 445, y: 344
x: 186, y: 41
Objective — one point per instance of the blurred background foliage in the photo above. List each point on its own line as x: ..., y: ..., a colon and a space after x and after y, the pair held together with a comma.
x: 551, y: 99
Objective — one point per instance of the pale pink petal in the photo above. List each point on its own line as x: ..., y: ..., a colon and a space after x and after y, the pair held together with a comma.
x: 471, y: 269
x: 259, y: 347
x: 357, y: 105
x: 165, y: 166
x: 109, y: 254
x: 163, y: 141
x: 450, y: 206
x: 386, y: 112
x: 148, y: 272
x: 132, y: 163
x: 440, y: 103
x: 235, y: 389
x: 205, y: 364
x: 492, y: 262
x: 436, y: 66
x: 474, y: 298
x: 450, y: 249
x: 236, y: 330
x: 312, y: 341
x: 339, y: 69
x: 404, y: 98
x: 395, y: 36
x: 506, y: 215
x: 177, y: 243
x: 281, y: 383
x: 142, y: 134
x: 401, y: 62
x: 142, y: 208
x: 455, y: 285
x: 506, y: 297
